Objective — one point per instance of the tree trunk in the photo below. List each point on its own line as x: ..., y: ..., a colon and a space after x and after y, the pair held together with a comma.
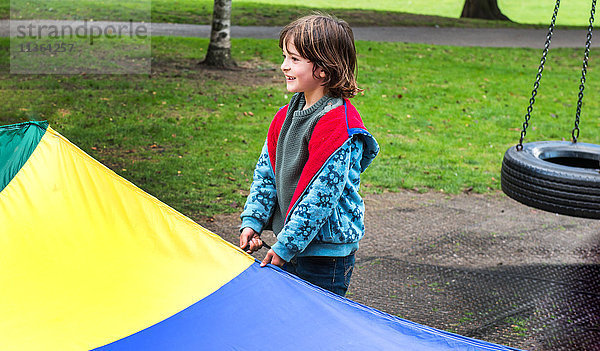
x: 219, y: 48
x: 483, y: 9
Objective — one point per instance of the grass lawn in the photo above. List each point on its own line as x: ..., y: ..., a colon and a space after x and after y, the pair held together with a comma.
x: 280, y: 12
x: 443, y: 116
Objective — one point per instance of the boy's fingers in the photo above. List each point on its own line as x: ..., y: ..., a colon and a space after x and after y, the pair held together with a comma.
x: 267, y: 259
x: 243, y: 240
x: 257, y: 243
x: 246, y: 236
x: 277, y: 261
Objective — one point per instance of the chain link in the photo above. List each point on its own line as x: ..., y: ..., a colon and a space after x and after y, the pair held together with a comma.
x: 538, y: 77
x: 588, y: 43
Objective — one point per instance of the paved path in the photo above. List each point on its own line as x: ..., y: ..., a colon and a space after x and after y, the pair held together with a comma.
x: 484, y: 37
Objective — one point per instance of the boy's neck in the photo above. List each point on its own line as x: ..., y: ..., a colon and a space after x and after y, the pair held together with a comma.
x: 312, y: 97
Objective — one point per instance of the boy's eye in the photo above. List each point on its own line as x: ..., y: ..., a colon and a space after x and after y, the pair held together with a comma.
x: 293, y: 58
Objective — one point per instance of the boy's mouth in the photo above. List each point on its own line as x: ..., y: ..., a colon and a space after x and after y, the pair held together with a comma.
x: 290, y: 78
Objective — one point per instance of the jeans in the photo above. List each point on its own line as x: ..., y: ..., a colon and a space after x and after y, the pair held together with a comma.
x: 329, y: 273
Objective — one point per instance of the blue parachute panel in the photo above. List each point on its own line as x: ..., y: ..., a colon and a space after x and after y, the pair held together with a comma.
x: 268, y: 309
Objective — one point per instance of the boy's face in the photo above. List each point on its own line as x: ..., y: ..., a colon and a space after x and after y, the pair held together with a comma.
x: 298, y: 73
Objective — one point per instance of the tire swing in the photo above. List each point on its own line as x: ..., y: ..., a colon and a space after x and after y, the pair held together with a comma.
x: 557, y: 176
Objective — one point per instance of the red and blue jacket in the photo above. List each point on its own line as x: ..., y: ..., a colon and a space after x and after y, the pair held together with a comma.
x: 326, y: 214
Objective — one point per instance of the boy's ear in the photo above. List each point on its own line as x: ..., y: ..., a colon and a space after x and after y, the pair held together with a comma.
x: 322, y: 74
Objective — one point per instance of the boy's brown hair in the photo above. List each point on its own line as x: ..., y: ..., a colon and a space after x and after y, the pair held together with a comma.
x: 328, y: 43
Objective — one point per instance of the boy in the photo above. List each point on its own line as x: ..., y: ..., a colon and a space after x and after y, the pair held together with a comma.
x: 307, y: 178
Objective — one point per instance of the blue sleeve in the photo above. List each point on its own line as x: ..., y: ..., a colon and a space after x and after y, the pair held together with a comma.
x: 316, y: 206
x: 261, y: 200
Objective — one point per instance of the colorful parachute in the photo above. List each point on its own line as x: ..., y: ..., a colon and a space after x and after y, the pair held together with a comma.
x: 89, y: 261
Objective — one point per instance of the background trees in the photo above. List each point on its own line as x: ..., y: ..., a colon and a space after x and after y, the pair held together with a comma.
x: 483, y: 9
x: 219, y: 48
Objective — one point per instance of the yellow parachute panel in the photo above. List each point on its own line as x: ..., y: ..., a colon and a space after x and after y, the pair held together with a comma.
x: 92, y: 258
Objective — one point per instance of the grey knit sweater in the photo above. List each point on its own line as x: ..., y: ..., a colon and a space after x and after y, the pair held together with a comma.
x: 292, y: 149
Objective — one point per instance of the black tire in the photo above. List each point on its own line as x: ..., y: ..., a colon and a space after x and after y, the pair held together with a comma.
x: 585, y: 200
x: 567, y: 188
x: 556, y: 176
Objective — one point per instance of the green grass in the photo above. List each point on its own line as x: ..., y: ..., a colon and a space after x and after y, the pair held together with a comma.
x: 280, y: 12
x: 75, y: 55
x: 443, y: 116
x: 519, y: 326
x: 533, y: 12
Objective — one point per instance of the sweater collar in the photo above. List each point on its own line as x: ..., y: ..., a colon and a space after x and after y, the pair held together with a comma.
x: 319, y: 105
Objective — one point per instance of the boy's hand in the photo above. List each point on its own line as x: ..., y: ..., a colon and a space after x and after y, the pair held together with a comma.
x: 273, y: 259
x: 250, y: 240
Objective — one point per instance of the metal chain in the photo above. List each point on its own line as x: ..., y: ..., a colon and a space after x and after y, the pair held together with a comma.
x: 588, y: 43
x: 536, y: 85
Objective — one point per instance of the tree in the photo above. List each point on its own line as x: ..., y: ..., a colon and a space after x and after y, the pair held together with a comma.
x: 483, y: 9
x: 219, y: 48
